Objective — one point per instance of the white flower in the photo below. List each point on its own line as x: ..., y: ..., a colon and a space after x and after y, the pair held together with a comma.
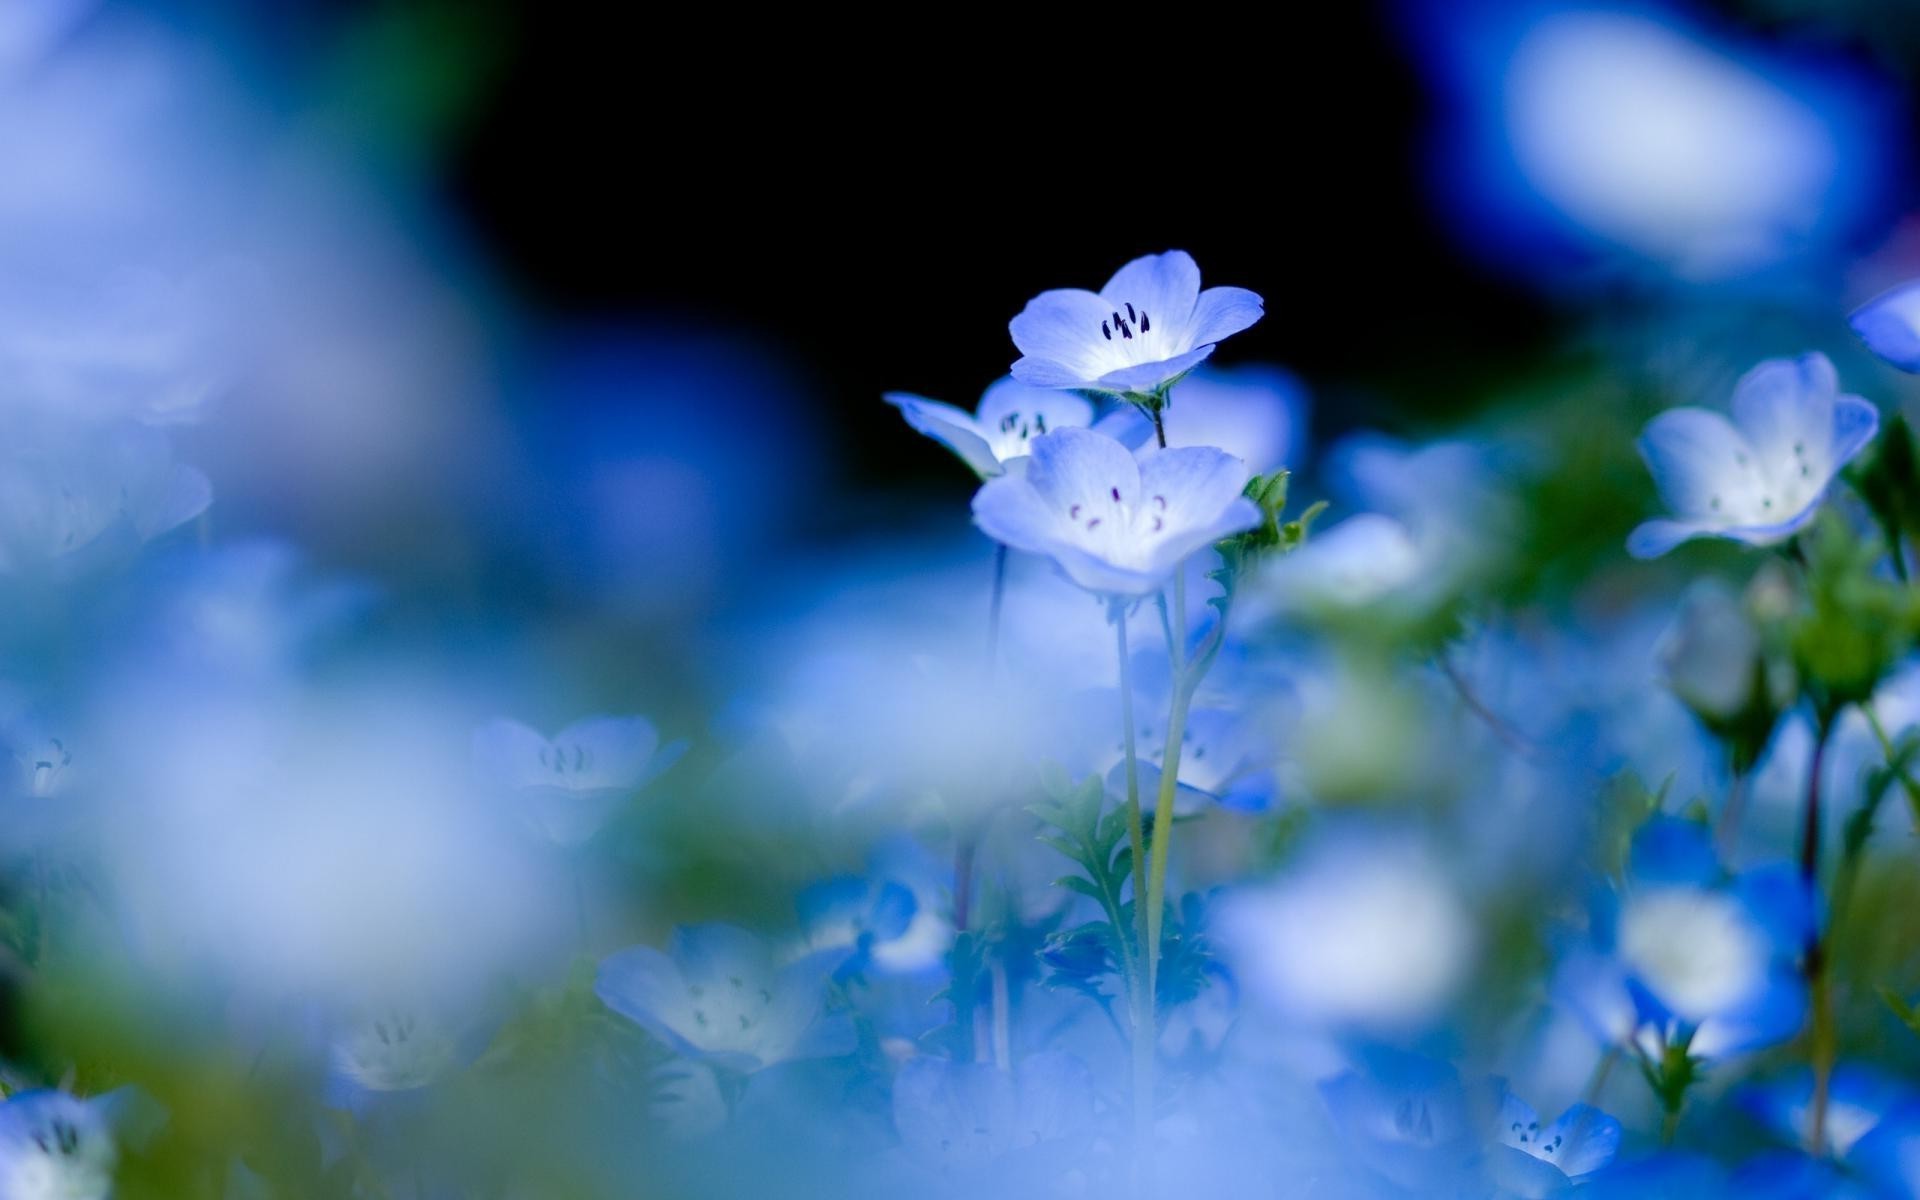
x: 569, y: 785
x: 1010, y: 415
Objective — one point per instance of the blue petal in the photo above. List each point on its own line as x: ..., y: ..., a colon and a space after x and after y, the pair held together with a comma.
x: 1783, y: 401
x: 950, y: 426
x: 1890, y: 325
x: 1890, y: 1154
x: 1165, y: 286
x: 1056, y: 333
x: 1055, y: 408
x: 1855, y: 422
x: 646, y: 987
x: 893, y: 910
x: 1127, y: 425
x: 1147, y: 377
x: 1222, y: 312
x: 1011, y: 512
x: 1197, y: 482
x: 1695, y: 454
x: 1671, y: 850
x: 1780, y: 901
x: 1591, y: 1139
x: 1776, y: 1014
x: 715, y: 951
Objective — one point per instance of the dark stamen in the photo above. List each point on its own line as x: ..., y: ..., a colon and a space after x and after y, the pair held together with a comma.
x: 1116, y: 493
x: 1105, y: 332
x: 1130, y: 315
x: 1144, y: 326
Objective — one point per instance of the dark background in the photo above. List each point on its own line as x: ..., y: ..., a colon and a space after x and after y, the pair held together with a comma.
x: 874, y: 198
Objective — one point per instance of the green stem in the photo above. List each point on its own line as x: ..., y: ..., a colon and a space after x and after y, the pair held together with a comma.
x: 1822, y: 1049
x: 1169, y: 785
x: 1726, y: 832
x: 1900, y: 771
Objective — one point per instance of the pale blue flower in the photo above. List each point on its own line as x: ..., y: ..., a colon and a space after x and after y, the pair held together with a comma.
x: 1529, y: 1160
x: 65, y: 492
x: 568, y: 786
x: 1410, y: 1120
x: 1364, y: 560
x: 1149, y: 326
x: 1116, y: 525
x: 55, y: 1146
x: 1010, y: 415
x: 720, y: 995
x: 1890, y: 325
x: 1685, y: 953
x: 1760, y: 477
x: 1858, y: 1099
x: 390, y: 1048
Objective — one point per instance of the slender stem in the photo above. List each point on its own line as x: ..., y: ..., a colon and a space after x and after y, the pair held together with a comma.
x: 1139, y: 991
x: 1669, y: 1125
x: 1900, y: 771
x: 1822, y: 1050
x: 1159, y: 426
x: 1169, y: 786
x: 1726, y: 831
x: 1598, y: 1080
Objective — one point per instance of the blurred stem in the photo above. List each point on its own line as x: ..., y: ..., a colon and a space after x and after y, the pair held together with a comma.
x: 1669, y: 1125
x: 963, y: 849
x: 1139, y: 992
x: 580, y: 902
x: 1900, y: 771
x: 1598, y: 1080
x: 1814, y: 964
x: 1726, y: 831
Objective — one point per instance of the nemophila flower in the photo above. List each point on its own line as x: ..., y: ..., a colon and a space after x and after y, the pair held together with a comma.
x: 1227, y: 756
x: 1858, y: 1099
x: 1116, y: 525
x: 1361, y: 931
x: 1687, y: 954
x: 1890, y: 325
x: 1760, y: 477
x: 389, y: 1048
x: 567, y: 786
x: 65, y: 492
x: 1711, y: 654
x: 961, y: 1118
x: 1149, y: 326
x: 55, y: 1146
x: 719, y: 994
x: 891, y: 921
x: 1362, y: 561
x: 1410, y: 1120
x: 1531, y: 1160
x: 1010, y: 415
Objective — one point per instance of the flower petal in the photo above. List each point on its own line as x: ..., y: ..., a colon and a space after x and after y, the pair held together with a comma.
x: 952, y: 427
x: 1055, y: 408
x: 1784, y: 402
x: 1197, y: 482
x: 1703, y: 467
x: 1157, y: 284
x: 646, y: 987
x: 1222, y: 312
x: 715, y: 951
x: 1890, y: 325
x: 1079, y: 466
x: 1058, y: 332
x: 1855, y: 422
x: 1011, y: 512
x: 618, y: 751
x: 1151, y: 376
x: 1589, y: 1139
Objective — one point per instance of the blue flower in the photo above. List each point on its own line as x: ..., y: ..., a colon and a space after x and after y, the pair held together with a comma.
x: 1760, y: 477
x: 1365, y: 560
x: 1149, y: 326
x: 1890, y: 325
x: 1858, y: 1099
x: 850, y: 917
x: 568, y: 786
x: 1116, y: 525
x: 1011, y: 414
x: 68, y: 494
x: 720, y: 995
x: 1531, y: 1161
x: 390, y: 1049
x: 1409, y: 1119
x: 1689, y: 956
x: 55, y: 1146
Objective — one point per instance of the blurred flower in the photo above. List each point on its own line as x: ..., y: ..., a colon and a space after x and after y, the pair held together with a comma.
x: 1010, y: 414
x: 719, y: 995
x: 1890, y: 325
x: 1543, y: 1162
x: 1711, y: 653
x: 566, y: 787
x: 1588, y: 130
x: 1365, y: 931
x: 685, y: 1099
x: 1687, y: 954
x: 1149, y: 326
x: 959, y: 1118
x: 65, y: 490
x: 1258, y: 414
x: 1858, y: 1098
x: 890, y: 922
x: 1362, y: 561
x: 1116, y: 525
x: 1410, y: 1120
x: 387, y: 1048
x: 1762, y: 476
x: 54, y: 1146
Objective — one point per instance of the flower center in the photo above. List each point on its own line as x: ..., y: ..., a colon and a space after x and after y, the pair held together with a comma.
x: 44, y: 768
x: 1123, y: 327
x: 565, y: 760
x: 1014, y: 431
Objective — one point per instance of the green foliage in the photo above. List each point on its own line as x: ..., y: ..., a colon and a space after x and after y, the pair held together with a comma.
x: 1095, y: 841
x: 1887, y: 477
x: 1853, y: 624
